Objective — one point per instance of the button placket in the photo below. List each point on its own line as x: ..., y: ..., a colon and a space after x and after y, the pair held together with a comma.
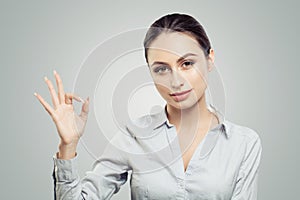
x: 181, y: 183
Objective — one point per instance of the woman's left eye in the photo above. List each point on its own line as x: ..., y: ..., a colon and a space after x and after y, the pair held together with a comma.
x: 187, y: 64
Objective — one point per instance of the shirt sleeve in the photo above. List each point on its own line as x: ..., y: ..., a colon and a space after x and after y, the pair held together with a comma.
x: 109, y: 172
x: 247, y: 181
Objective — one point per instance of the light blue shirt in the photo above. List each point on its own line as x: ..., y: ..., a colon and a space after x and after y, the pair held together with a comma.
x: 224, y: 165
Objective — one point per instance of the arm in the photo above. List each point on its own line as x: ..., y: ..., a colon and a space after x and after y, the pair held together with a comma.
x: 247, y: 181
x: 109, y: 173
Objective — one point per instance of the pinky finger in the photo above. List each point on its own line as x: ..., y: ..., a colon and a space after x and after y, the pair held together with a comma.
x: 45, y: 104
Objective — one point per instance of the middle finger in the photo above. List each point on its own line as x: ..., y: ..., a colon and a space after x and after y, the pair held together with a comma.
x: 52, y: 92
x: 60, y: 88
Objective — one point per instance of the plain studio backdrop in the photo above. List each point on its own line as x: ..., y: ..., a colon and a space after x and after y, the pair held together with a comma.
x: 256, y: 46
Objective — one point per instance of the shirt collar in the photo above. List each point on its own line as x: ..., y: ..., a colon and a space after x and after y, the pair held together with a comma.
x: 161, y: 118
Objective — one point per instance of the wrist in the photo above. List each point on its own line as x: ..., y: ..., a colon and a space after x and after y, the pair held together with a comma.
x: 67, y: 151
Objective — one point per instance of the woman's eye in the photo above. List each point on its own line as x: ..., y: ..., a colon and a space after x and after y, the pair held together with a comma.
x: 188, y: 64
x: 161, y: 69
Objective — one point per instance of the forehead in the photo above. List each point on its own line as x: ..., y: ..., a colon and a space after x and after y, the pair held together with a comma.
x: 173, y: 45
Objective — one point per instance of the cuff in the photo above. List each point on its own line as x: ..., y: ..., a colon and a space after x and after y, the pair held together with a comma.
x: 65, y: 170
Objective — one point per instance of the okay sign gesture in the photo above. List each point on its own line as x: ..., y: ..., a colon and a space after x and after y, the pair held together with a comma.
x: 70, y: 126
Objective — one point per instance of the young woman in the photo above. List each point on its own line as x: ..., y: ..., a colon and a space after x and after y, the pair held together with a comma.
x: 188, y: 150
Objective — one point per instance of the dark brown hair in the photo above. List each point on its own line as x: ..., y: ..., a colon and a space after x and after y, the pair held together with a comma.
x: 177, y: 22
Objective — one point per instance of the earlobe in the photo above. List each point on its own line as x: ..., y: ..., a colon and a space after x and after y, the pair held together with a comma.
x: 211, y: 55
x: 211, y: 58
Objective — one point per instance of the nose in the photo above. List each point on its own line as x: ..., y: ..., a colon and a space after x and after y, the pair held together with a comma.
x: 176, y: 80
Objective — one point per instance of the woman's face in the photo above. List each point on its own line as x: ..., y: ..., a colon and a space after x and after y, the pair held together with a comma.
x: 177, y: 64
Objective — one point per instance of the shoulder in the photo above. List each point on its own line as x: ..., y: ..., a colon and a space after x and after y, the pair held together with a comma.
x: 142, y: 121
x: 143, y: 125
x: 241, y: 131
x: 246, y: 139
x: 127, y: 137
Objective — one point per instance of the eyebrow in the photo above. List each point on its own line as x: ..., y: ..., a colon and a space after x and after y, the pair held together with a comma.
x: 179, y: 59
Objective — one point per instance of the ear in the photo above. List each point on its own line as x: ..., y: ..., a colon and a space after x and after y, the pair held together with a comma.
x: 211, y: 59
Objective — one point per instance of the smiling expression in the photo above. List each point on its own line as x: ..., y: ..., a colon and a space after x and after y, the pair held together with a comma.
x: 178, y: 65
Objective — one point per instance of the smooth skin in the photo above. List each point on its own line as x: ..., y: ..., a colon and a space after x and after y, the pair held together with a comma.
x: 172, y: 73
x: 70, y: 126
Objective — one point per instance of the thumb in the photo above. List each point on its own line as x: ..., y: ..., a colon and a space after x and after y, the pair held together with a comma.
x: 85, y: 108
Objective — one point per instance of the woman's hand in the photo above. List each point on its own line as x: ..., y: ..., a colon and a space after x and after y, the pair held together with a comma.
x: 70, y: 126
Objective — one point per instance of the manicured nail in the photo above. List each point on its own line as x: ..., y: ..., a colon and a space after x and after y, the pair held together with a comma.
x: 45, y: 78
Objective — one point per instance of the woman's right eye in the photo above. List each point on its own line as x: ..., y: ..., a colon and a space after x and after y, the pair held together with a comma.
x: 161, y: 69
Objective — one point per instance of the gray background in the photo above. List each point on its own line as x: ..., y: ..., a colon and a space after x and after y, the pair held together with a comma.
x: 256, y: 46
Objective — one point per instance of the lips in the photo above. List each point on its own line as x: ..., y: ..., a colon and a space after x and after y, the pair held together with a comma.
x: 180, y: 93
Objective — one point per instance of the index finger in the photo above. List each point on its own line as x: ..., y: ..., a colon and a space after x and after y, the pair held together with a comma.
x: 60, y: 88
x: 48, y: 108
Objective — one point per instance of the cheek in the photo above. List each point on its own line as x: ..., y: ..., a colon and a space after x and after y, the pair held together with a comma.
x: 162, y: 89
x: 164, y: 92
x: 196, y: 79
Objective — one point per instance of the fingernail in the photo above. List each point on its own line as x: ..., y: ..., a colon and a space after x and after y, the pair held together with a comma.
x: 35, y: 94
x: 45, y: 78
x: 54, y: 72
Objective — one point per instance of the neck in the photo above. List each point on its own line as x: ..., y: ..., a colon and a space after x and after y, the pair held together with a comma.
x: 196, y: 117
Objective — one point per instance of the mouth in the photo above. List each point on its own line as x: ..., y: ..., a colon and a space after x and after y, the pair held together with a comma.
x: 180, y: 93
x: 180, y: 96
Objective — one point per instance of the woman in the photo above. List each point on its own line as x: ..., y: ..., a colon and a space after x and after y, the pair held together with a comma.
x: 206, y: 156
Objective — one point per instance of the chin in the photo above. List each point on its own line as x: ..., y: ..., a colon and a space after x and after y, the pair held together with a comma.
x: 185, y: 104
